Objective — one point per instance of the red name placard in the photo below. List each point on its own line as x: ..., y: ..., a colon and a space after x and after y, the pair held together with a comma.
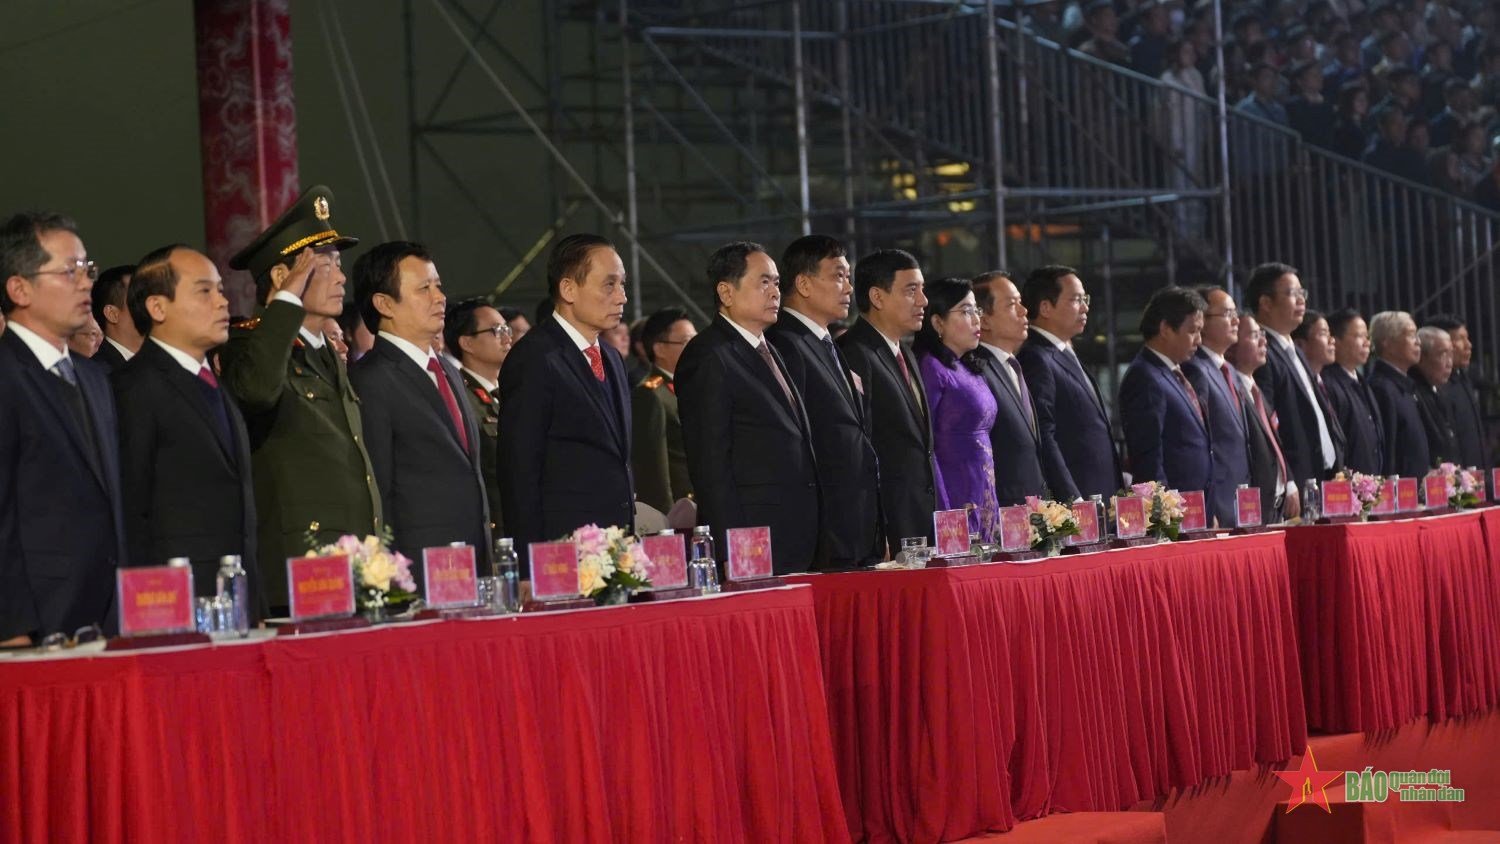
x: 1406, y: 495
x: 1436, y: 491
x: 1480, y: 490
x: 1387, y: 501
x: 155, y: 599
x: 667, y: 560
x: 749, y: 553
x: 1495, y: 484
x: 951, y: 527
x: 1247, y: 507
x: 320, y: 587
x: 1194, y: 512
x: 1130, y: 517
x: 1338, y: 499
x: 450, y: 577
x: 1086, y: 514
x: 554, y: 570
x: 1015, y: 528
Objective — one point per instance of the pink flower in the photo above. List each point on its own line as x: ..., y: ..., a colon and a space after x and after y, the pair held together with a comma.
x: 403, y: 576
x: 1144, y: 490
x: 591, y: 540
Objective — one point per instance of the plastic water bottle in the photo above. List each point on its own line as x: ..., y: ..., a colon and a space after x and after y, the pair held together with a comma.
x: 233, y: 596
x: 1312, y: 501
x: 703, y: 569
x: 507, y: 576
x: 1101, y: 517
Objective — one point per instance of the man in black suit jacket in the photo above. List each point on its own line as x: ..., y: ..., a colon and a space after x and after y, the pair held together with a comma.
x: 1165, y: 422
x: 816, y: 291
x: 1268, y: 469
x: 121, y: 339
x: 1013, y: 437
x: 1078, y: 450
x: 184, y: 450
x: 61, y: 534
x: 1220, y: 390
x: 744, y: 423
x: 1461, y: 396
x: 422, y: 438
x: 1349, y: 392
x: 888, y: 291
x: 1310, y: 437
x: 1407, y: 453
x: 1429, y: 376
x: 565, y: 405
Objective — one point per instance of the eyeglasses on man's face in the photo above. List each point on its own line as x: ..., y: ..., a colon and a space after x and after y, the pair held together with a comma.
x: 500, y: 330
x: 87, y: 269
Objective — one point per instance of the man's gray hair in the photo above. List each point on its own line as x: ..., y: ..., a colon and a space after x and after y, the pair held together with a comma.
x: 1387, y: 326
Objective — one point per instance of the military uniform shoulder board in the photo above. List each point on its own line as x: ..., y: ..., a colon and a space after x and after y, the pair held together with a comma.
x: 653, y: 382
x: 247, y: 324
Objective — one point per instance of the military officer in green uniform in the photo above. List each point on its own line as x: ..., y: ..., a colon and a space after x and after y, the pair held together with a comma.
x: 477, y: 335
x: 657, y: 453
x: 312, y: 474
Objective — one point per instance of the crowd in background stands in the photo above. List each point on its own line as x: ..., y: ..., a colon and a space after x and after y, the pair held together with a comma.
x: 1411, y: 87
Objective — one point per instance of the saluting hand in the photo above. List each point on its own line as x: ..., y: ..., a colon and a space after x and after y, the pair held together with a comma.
x: 295, y: 281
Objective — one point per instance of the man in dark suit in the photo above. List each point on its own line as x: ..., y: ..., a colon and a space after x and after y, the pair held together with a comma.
x: 744, y: 423
x: 121, y: 339
x: 61, y: 529
x: 312, y: 473
x: 815, y: 293
x: 888, y: 291
x: 477, y: 334
x: 1268, y: 468
x: 422, y: 440
x: 1013, y: 437
x: 1349, y: 392
x: 1310, y: 437
x: 565, y: 405
x: 1461, y: 396
x: 659, y: 457
x: 1219, y: 389
x: 1394, y: 335
x: 1078, y: 451
x: 1166, y: 425
x: 184, y: 450
x: 1429, y: 376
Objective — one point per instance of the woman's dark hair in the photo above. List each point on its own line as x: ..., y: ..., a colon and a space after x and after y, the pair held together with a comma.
x: 943, y: 296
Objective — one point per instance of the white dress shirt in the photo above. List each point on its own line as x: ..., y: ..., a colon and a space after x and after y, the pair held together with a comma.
x: 1004, y: 357
x: 750, y: 337
x: 418, y: 356
x: 185, y: 360
x: 47, y: 354
x: 818, y: 331
x: 124, y: 352
x: 1325, y: 440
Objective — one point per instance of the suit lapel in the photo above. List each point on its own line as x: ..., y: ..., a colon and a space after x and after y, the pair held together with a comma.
x: 421, y: 383
x: 751, y: 360
x: 575, y: 362
x: 49, y: 395
x: 189, y: 391
x: 1008, y: 389
x: 1219, y: 386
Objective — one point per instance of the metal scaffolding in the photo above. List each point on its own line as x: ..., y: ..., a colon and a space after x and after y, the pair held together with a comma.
x: 949, y: 127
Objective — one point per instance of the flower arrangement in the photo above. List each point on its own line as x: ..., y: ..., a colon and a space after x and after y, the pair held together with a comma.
x: 1164, y: 508
x: 1051, y: 522
x: 1461, y: 485
x: 611, y: 563
x: 382, y: 577
x: 1367, y: 491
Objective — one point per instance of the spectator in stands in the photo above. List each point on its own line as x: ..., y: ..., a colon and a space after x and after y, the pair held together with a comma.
x: 1402, y: 91
x: 1182, y: 126
x: 1435, y: 76
x: 1298, y: 46
x: 1487, y: 192
x: 1262, y: 99
x: 1349, y: 138
x: 1149, y: 47
x: 1344, y: 67
x: 1308, y: 111
x: 1457, y: 110
x: 1385, y: 20
x: 1430, y: 375
x: 1471, y: 146
x: 1388, y: 150
x: 1486, y: 82
x: 1103, y: 28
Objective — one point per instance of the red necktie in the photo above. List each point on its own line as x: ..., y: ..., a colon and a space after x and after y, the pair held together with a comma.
x: 596, y: 362
x: 1192, y: 394
x: 1229, y: 379
x: 1265, y: 423
x: 449, y: 401
x: 206, y: 375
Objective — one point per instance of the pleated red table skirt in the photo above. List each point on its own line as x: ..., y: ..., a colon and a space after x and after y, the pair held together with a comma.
x: 1398, y: 620
x: 699, y: 720
x: 965, y: 698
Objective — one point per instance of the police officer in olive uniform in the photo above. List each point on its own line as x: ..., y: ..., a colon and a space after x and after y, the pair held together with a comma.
x: 477, y: 335
x: 660, y: 460
x: 311, y: 471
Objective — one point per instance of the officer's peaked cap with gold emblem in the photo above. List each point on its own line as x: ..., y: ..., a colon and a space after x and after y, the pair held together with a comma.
x: 309, y: 222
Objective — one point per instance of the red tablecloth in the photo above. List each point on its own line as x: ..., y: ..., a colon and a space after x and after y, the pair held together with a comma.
x: 1397, y: 620
x: 964, y: 698
x: 697, y: 720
